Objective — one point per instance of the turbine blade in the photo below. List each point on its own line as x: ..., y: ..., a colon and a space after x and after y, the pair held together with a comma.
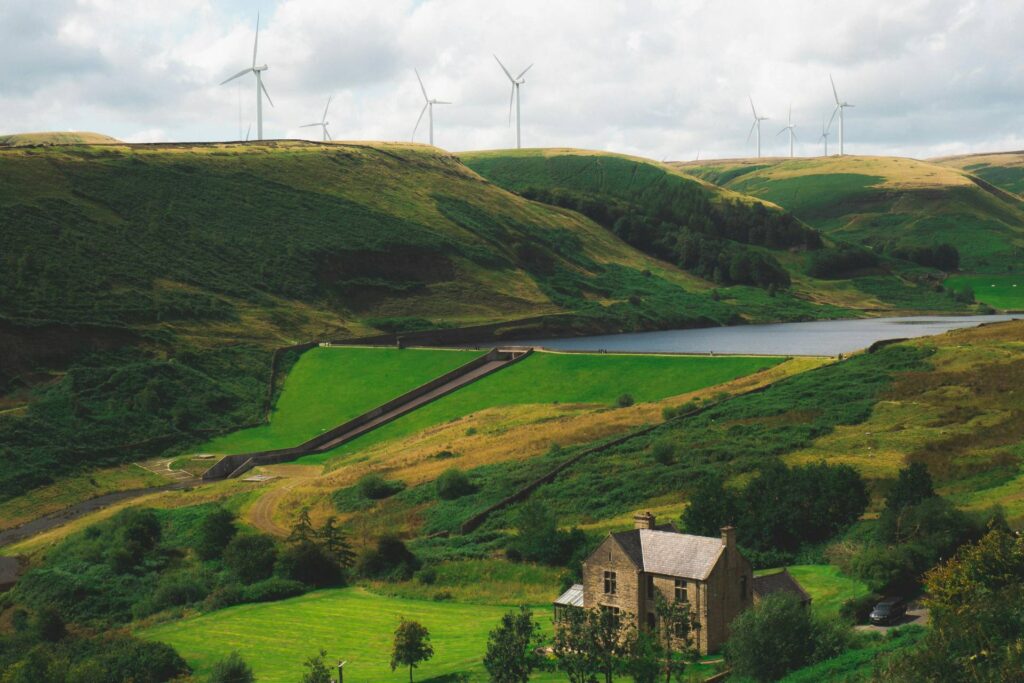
x: 264, y: 87
x: 416, y: 127
x: 832, y: 118
x: 793, y: 133
x: 523, y: 72
x: 849, y: 105
x: 504, y: 69
x: 328, y: 134
x: 781, y: 132
x: 247, y: 131
x: 237, y: 75
x: 511, y: 96
x: 421, y: 85
x: 324, y: 119
x: 310, y: 125
x: 752, y: 130
x: 834, y: 93
x: 256, y: 42
x: 441, y: 102
x: 752, y: 105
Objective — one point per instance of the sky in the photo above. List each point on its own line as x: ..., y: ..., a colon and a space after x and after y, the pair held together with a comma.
x: 662, y: 79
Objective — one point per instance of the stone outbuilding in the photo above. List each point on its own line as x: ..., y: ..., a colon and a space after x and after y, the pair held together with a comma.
x: 779, y: 582
x: 630, y: 568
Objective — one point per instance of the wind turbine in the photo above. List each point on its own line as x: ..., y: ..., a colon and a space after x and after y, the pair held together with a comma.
x: 824, y: 135
x: 428, y: 106
x: 757, y: 125
x: 323, y: 123
x: 792, y: 133
x: 516, y: 82
x: 840, y: 106
x: 261, y: 89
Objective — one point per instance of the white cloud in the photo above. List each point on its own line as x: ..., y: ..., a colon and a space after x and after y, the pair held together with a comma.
x: 658, y: 78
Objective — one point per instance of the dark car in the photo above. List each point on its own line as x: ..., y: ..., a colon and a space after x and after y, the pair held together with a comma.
x: 888, y: 611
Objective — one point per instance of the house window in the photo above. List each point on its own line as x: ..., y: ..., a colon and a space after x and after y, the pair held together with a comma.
x: 681, y: 595
x: 650, y: 587
x: 613, y: 611
x: 743, y: 588
x: 609, y: 583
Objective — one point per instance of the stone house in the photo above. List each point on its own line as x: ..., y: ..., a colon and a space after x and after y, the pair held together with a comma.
x: 779, y: 582
x: 630, y: 568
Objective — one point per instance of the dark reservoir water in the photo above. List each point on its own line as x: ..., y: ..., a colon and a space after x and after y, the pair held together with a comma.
x: 819, y: 338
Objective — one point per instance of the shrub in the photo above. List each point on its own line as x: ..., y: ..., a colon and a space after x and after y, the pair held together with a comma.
x: 308, y: 563
x: 663, y: 451
x: 857, y: 610
x: 274, y: 588
x: 391, y: 559
x: 215, y: 532
x: 251, y: 557
x: 231, y: 669
x: 427, y: 576
x: 174, y: 590
x: 625, y: 400
x: 376, y: 487
x: 538, y: 538
x: 48, y: 625
x: 453, y: 483
x: 224, y: 596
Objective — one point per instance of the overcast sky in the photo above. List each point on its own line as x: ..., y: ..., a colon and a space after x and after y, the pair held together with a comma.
x: 661, y: 79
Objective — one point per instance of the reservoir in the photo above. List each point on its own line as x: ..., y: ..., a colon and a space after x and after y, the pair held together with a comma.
x: 817, y: 338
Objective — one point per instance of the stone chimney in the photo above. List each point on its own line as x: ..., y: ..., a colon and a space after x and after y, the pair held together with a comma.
x: 729, y: 536
x: 643, y: 520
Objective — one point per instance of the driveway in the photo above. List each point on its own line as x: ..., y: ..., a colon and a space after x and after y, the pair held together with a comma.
x: 916, y: 615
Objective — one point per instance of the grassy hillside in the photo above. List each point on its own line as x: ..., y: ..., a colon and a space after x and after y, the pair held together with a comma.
x: 886, y: 202
x: 721, y: 235
x: 1003, y: 169
x: 1005, y: 292
x: 56, y: 138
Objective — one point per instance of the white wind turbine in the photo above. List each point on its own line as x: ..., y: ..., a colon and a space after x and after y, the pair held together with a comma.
x: 840, y: 106
x: 427, y: 107
x: 756, y: 125
x: 261, y: 89
x: 824, y: 135
x: 514, y: 95
x: 792, y: 132
x: 323, y: 122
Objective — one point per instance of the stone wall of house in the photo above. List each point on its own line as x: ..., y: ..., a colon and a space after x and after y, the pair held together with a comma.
x: 609, y: 556
x: 730, y: 591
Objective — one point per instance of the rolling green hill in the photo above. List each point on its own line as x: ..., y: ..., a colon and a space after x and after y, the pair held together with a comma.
x: 889, y: 203
x: 56, y: 138
x: 1002, y: 169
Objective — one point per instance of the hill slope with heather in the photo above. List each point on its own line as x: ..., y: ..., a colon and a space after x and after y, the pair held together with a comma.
x: 1003, y: 169
x: 891, y: 204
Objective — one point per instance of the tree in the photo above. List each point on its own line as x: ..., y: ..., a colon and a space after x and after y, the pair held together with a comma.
x: 644, y: 660
x: 302, y: 531
x: 49, y: 625
x: 317, y: 670
x: 912, y: 486
x: 215, y: 532
x: 231, y: 669
x: 308, y: 563
x: 538, y: 538
x: 770, y: 639
x: 510, y: 654
x: 574, y: 647
x: 251, y: 557
x: 675, y: 635
x: 412, y: 646
x: 335, y: 543
x: 453, y: 483
x: 711, y: 507
x: 390, y: 559
x: 606, y: 636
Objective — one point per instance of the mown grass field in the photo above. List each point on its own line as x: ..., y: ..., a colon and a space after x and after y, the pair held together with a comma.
x: 330, y: 385
x: 567, y: 378
x: 1005, y: 292
x: 828, y: 588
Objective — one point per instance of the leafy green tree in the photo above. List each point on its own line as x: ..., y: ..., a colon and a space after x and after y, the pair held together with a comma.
x: 308, y: 563
x: 231, y: 669
x: 674, y: 634
x: 644, y: 660
x: 453, y: 483
x: 335, y: 543
x: 390, y: 559
x: 411, y: 646
x: 510, y: 656
x: 574, y: 647
x: 608, y: 639
x: 251, y: 557
x: 913, y: 485
x: 538, y: 538
x: 215, y: 532
x: 316, y: 670
x: 711, y: 506
x: 48, y: 625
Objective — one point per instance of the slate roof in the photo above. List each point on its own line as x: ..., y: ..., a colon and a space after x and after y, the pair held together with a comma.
x: 670, y: 553
x: 572, y: 597
x: 779, y: 582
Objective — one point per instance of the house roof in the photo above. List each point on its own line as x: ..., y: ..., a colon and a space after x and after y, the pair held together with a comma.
x: 670, y: 553
x: 572, y: 597
x: 779, y: 582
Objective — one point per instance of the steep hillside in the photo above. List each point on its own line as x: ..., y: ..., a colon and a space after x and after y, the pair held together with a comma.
x: 1003, y: 169
x: 893, y: 204
x: 733, y: 239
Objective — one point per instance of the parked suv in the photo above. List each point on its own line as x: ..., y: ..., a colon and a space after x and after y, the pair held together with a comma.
x: 889, y: 611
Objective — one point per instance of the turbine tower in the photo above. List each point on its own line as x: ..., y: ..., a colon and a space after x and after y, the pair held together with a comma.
x: 427, y: 107
x: 792, y: 133
x: 757, y: 125
x: 323, y: 122
x: 840, y: 106
x: 261, y: 89
x: 824, y: 135
x: 514, y: 95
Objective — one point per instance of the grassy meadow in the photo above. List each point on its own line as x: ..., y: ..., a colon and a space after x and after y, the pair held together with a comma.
x: 1005, y: 292
x: 827, y: 586
x: 559, y: 378
x: 328, y: 386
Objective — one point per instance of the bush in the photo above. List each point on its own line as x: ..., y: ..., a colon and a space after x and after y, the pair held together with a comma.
x: 308, y: 563
x: 453, y: 483
x: 174, y: 590
x: 215, y: 532
x: 231, y: 669
x: 625, y: 400
x: 272, y: 589
x: 48, y: 625
x: 663, y: 451
x: 375, y: 487
x: 391, y: 560
x: 857, y: 610
x: 538, y: 538
x: 251, y: 557
x: 427, y: 576
x: 224, y: 596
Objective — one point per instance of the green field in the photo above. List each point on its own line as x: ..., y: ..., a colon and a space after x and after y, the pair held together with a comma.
x: 828, y: 588
x: 567, y: 378
x: 328, y: 386
x: 1005, y: 292
x: 350, y: 623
